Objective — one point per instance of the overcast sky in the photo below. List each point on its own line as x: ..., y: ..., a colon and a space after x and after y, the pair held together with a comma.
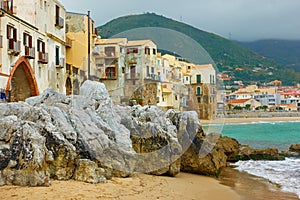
x: 244, y: 20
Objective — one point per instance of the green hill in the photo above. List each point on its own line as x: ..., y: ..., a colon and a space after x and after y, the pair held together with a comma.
x: 285, y: 52
x: 227, y: 54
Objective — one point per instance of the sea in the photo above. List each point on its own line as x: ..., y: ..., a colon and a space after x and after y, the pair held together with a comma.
x: 261, y: 135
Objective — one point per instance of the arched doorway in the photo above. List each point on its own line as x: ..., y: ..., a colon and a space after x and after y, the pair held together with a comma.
x: 68, y: 86
x: 21, y: 83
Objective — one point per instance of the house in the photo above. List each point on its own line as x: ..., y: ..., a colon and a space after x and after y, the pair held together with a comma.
x: 203, y: 84
x: 32, y: 53
x: 140, y: 69
x: 79, y: 65
x: 109, y: 55
x: 243, y: 102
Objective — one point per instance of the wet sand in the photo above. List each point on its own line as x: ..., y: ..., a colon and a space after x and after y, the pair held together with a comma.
x: 250, y: 187
x: 139, y: 186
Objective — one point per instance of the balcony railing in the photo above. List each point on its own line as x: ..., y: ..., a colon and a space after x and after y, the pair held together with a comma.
x: 132, y: 76
x: 153, y: 77
x: 106, y: 55
x: 59, y: 22
x: 43, y: 57
x: 61, y: 63
x: 30, y: 52
x: 14, y: 47
x: 108, y: 76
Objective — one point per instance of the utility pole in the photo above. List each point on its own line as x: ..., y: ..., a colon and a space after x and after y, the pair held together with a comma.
x: 89, y: 48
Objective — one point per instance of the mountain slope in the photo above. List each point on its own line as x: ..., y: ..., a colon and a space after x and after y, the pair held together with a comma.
x: 227, y: 54
x: 285, y: 52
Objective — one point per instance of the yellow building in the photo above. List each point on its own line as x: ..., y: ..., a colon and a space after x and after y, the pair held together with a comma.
x: 203, y: 82
x: 79, y: 60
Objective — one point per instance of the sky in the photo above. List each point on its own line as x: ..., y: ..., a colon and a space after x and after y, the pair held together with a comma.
x: 243, y: 20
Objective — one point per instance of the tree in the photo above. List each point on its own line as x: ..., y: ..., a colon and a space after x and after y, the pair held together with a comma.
x: 248, y: 106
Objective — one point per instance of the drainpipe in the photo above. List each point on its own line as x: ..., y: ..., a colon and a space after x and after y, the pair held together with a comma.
x: 89, y: 49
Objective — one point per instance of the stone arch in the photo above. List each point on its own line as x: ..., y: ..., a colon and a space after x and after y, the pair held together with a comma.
x: 68, y: 86
x: 22, y: 83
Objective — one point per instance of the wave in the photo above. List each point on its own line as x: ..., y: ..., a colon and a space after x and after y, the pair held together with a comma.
x: 285, y: 173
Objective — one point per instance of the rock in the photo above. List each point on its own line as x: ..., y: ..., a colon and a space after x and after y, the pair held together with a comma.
x: 295, y: 148
x: 247, y: 153
x: 154, y: 139
x: 88, y: 171
x: 230, y: 147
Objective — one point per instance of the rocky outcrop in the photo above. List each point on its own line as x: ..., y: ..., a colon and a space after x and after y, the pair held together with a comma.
x: 85, y: 137
x: 295, y: 148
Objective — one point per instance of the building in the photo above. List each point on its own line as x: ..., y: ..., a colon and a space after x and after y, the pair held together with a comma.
x: 109, y: 57
x: 203, y: 82
x: 243, y: 103
x: 32, y: 53
x: 141, y: 72
x: 79, y: 63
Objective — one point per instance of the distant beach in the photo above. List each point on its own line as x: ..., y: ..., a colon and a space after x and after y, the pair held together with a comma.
x: 249, y: 120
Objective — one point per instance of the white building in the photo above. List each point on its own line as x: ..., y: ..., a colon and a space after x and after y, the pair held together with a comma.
x: 32, y: 47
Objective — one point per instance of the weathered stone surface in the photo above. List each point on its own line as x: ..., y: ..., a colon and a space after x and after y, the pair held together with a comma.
x: 247, y: 153
x: 230, y: 147
x: 154, y: 139
x: 88, y: 171
x: 295, y: 148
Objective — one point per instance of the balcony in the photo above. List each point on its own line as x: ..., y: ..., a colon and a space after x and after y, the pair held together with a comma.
x: 59, y: 22
x: 29, y: 52
x: 153, y: 77
x: 43, y: 57
x: 106, y: 55
x: 60, y: 63
x: 68, y: 42
x: 14, y: 47
x: 132, y: 76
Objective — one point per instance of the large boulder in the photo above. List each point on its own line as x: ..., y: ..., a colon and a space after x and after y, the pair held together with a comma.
x: 154, y: 139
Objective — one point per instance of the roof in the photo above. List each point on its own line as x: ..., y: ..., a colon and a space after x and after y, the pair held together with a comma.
x: 205, y: 66
x: 111, y: 41
x: 137, y: 42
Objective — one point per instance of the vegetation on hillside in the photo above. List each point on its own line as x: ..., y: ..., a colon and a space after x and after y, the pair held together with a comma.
x: 228, y: 55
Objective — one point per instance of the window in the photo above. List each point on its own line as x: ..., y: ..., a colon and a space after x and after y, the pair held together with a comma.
x: 27, y: 40
x: 45, y: 5
x: 109, y: 51
x: 199, y: 99
x: 57, y: 55
x: 198, y: 92
x: 154, y: 51
x: 59, y: 22
x: 186, y: 78
x: 148, y: 71
x: 41, y: 46
x: 132, y: 50
x: 152, y: 70
x: 198, y: 78
x: 11, y: 33
x: 147, y: 51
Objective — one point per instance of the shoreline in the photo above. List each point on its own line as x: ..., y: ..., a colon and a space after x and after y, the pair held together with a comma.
x: 249, y: 120
x: 231, y: 184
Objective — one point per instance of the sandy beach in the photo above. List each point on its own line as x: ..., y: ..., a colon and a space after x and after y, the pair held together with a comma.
x: 249, y: 120
x: 139, y: 186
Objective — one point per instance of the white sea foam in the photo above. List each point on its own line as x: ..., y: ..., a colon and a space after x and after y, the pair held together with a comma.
x: 285, y: 173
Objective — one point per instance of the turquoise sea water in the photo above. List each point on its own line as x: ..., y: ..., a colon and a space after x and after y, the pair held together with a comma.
x: 262, y: 134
